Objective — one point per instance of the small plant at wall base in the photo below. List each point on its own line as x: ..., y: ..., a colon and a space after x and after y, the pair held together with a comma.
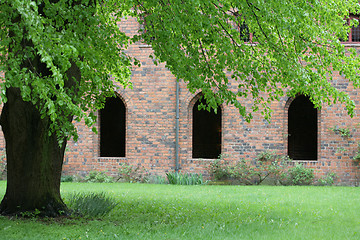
x: 245, y: 172
x: 328, y: 179
x: 266, y: 165
x: 219, y: 168
x: 273, y: 167
x: 242, y: 173
x: 98, y: 177
x: 185, y: 178
x: 156, y: 179
x: 130, y: 173
x: 298, y: 175
x: 67, y: 178
x: 3, y: 165
x: 266, y: 156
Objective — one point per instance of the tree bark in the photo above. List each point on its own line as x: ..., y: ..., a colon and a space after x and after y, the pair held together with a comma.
x: 34, y: 160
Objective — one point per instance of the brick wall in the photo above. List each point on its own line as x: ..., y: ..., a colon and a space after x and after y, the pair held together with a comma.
x: 150, y: 128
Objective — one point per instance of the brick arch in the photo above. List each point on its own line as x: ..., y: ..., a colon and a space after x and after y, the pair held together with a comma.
x: 193, y: 98
x: 122, y: 95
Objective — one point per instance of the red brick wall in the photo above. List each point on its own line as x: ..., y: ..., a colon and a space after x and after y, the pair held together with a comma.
x: 150, y: 128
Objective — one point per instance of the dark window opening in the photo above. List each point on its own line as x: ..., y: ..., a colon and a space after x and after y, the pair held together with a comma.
x: 112, y: 128
x: 244, y: 32
x: 354, y: 34
x: 302, y: 129
x: 206, y: 132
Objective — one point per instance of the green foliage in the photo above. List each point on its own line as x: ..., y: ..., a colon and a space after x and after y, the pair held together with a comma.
x: 156, y: 179
x: 48, y: 36
x: 90, y: 204
x: 344, y: 132
x: 219, y: 168
x: 266, y: 165
x: 38, y: 35
x: 272, y: 166
x: 357, y: 154
x: 67, y: 178
x: 266, y: 156
x: 130, y: 173
x: 3, y: 165
x: 243, y: 173
x: 328, y: 179
x: 291, y: 41
x: 298, y: 175
x: 185, y: 178
x: 98, y: 177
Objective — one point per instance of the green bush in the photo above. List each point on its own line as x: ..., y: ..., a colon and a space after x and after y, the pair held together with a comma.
x: 328, y: 179
x: 219, y: 169
x: 129, y: 173
x: 67, y: 178
x: 298, y: 175
x: 242, y: 173
x: 185, y: 178
x: 156, y: 179
x: 91, y: 204
x: 98, y: 177
x: 3, y: 170
x: 266, y: 156
x: 266, y: 165
x: 273, y: 167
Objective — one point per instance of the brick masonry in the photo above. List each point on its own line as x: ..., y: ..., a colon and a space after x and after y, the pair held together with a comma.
x: 150, y: 128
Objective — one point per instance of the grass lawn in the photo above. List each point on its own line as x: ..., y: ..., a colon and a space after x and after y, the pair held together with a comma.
x: 148, y: 211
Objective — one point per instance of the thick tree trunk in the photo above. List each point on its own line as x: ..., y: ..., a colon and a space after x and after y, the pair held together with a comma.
x: 34, y: 160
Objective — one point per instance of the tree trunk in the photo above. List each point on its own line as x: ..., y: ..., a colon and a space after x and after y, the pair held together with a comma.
x: 34, y: 160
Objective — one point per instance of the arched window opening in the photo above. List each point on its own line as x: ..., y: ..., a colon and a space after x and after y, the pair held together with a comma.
x: 206, y: 139
x: 302, y: 129
x: 112, y: 128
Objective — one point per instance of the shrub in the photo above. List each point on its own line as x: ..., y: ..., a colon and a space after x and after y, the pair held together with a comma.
x: 91, y: 204
x: 219, y: 169
x: 274, y: 168
x: 242, y: 173
x: 185, y: 178
x: 129, y: 173
x: 266, y: 156
x: 3, y: 170
x: 328, y: 179
x: 156, y: 179
x: 298, y: 175
x: 98, y: 177
x: 266, y: 165
x: 67, y: 178
x: 3, y: 165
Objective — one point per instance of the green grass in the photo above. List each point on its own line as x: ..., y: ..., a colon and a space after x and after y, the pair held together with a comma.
x: 147, y: 211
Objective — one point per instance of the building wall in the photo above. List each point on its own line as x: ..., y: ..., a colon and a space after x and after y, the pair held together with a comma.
x: 151, y: 129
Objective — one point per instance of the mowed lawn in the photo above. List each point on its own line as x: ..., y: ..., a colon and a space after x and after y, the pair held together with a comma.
x: 146, y: 211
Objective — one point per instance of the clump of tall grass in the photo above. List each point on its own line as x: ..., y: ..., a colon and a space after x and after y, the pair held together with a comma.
x: 90, y: 204
x: 185, y: 178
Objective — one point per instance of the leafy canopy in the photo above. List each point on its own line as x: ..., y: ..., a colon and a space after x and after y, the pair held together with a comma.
x: 295, y: 48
